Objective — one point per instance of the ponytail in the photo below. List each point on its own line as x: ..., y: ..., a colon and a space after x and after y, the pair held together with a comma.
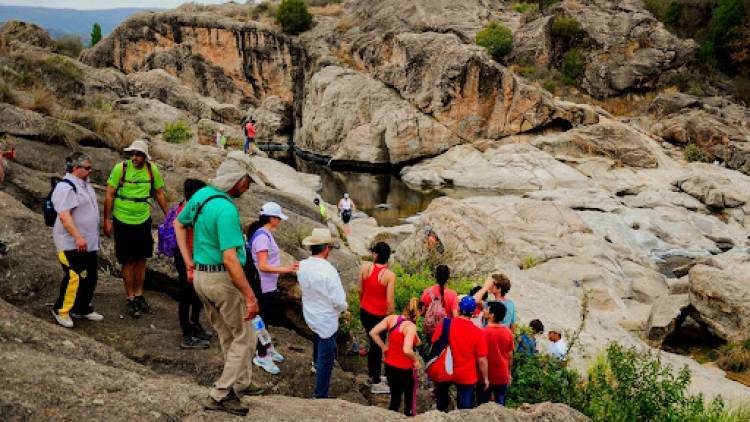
x: 254, y: 226
x: 442, y: 274
x: 411, y: 311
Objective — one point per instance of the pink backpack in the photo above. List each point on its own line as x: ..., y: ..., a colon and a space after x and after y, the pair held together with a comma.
x: 434, y: 315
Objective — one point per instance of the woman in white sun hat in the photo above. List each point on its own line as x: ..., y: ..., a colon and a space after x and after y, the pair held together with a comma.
x: 266, y: 257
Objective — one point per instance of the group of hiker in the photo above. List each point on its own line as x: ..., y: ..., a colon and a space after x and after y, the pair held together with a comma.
x: 233, y: 277
x: 249, y: 131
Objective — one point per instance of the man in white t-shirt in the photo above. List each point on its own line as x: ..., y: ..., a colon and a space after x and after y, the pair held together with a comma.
x: 557, y: 347
x: 323, y: 299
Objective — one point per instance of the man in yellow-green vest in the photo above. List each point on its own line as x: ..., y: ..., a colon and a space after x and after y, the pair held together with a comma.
x: 127, y: 212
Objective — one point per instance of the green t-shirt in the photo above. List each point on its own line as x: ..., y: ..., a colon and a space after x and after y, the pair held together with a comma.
x: 137, y: 185
x: 218, y: 227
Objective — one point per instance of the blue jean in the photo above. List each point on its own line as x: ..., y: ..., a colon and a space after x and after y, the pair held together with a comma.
x: 499, y: 391
x: 325, y: 353
x: 464, y: 396
x: 248, y: 141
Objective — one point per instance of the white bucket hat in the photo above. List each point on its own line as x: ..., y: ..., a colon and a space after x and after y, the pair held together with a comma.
x: 273, y: 209
x: 139, y: 145
x: 319, y: 237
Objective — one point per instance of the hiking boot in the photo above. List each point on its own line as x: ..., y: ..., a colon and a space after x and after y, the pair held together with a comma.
x: 133, y: 309
x: 252, y: 391
x: 380, y: 388
x: 91, y: 316
x: 202, y: 332
x: 267, y: 364
x: 65, y: 321
x: 275, y: 356
x: 230, y: 404
x: 189, y: 342
x: 140, y: 302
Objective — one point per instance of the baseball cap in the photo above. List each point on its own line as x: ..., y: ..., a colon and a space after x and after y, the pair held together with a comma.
x: 273, y: 209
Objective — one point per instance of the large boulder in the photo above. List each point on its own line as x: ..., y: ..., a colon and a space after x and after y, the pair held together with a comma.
x: 149, y: 114
x: 350, y: 117
x: 273, y: 120
x: 29, y: 124
x: 665, y: 315
x: 25, y: 32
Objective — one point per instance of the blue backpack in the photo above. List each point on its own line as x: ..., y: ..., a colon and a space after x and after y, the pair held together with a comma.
x: 167, y: 244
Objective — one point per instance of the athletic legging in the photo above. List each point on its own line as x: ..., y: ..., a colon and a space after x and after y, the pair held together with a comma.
x: 403, y: 382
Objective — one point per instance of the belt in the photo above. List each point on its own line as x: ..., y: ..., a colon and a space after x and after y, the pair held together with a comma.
x: 211, y: 268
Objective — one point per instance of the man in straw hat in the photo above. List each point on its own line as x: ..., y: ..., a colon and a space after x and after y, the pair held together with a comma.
x: 131, y: 184
x: 218, y: 277
x: 323, y: 299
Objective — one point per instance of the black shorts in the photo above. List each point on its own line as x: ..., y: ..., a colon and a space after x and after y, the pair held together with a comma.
x: 133, y: 242
x: 346, y: 215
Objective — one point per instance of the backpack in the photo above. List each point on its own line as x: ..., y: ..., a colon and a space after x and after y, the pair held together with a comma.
x: 440, y: 362
x: 434, y: 315
x: 122, y: 183
x: 48, y: 208
x: 251, y: 271
x: 167, y: 240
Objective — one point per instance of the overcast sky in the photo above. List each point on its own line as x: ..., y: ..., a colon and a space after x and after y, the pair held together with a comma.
x: 105, y: 4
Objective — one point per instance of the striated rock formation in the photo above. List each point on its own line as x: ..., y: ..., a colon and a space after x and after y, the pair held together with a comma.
x: 27, y: 33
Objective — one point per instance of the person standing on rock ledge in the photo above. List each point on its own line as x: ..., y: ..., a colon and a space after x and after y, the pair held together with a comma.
x: 323, y: 299
x: 217, y: 263
x: 76, y: 236
x: 346, y: 209
x: 131, y: 184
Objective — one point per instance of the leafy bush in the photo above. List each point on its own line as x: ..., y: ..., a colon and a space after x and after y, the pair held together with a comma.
x: 69, y: 45
x: 735, y: 356
x: 526, y: 7
x: 723, y: 30
x: 497, y: 39
x: 529, y: 261
x: 566, y: 28
x: 96, y: 33
x: 540, y: 378
x: 573, y: 66
x: 695, y: 152
x: 550, y: 85
x: 264, y: 8
x: 293, y: 16
x: 177, y: 132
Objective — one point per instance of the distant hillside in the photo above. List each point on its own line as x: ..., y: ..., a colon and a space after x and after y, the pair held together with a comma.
x: 66, y: 21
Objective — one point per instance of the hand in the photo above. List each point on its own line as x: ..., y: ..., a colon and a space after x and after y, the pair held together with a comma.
x: 384, y: 349
x: 292, y: 268
x: 81, y: 244
x: 486, y: 383
x: 488, y: 283
x: 418, y: 364
x: 252, y: 309
x: 190, y: 273
x: 107, y: 227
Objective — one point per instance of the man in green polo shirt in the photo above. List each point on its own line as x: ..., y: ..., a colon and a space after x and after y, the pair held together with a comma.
x: 218, y: 277
x: 128, y: 212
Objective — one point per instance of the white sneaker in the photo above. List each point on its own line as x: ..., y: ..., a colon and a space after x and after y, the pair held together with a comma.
x: 380, y: 388
x: 66, y: 322
x: 275, y: 356
x: 267, y: 364
x: 93, y: 316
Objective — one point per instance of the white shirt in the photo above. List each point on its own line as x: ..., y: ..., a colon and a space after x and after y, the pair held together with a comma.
x: 558, y: 349
x: 323, y: 297
x: 83, y: 208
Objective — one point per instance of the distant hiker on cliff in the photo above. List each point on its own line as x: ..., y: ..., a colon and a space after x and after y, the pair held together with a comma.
x: 131, y: 184
x: 401, y: 361
x: 498, y: 285
x: 323, y: 299
x: 219, y: 279
x: 377, y: 285
x: 321, y: 208
x: 221, y: 139
x: 266, y: 266
x: 346, y: 210
x: 526, y: 342
x: 500, y: 345
x: 5, y: 154
x: 249, y: 135
x: 76, y: 236
x: 557, y: 347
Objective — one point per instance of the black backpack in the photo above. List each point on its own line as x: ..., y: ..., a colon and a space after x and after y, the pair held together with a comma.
x: 251, y: 271
x: 48, y: 208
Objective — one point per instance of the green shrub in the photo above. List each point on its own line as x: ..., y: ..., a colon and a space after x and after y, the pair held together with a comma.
x: 526, y: 7
x: 566, y: 29
x: 529, y: 261
x: 497, y: 39
x: 573, y: 66
x: 673, y: 14
x: 541, y: 378
x: 550, y: 85
x: 695, y: 89
x: 546, y: 4
x: 741, y: 88
x: 658, y: 8
x: 293, y: 17
x: 735, y: 356
x: 177, y: 132
x: 96, y: 33
x: 69, y: 45
x: 695, y: 152
x: 723, y: 30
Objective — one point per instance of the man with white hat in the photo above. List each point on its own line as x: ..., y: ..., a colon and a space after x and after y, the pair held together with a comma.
x: 131, y: 184
x: 219, y: 279
x: 323, y: 299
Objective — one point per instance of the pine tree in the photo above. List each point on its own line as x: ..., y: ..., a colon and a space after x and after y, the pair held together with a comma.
x: 96, y: 33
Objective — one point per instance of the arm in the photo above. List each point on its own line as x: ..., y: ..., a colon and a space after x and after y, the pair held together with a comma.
x: 409, y: 337
x: 338, y: 296
x: 67, y: 221
x: 234, y: 268
x: 180, y: 231
x: 162, y: 200
x: 375, y: 333
x: 390, y: 278
x: 483, y: 371
x: 109, y: 200
x: 264, y: 266
x: 485, y: 288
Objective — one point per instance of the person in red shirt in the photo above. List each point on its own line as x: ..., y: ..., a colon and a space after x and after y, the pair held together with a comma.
x: 401, y: 361
x: 469, y: 348
x: 447, y: 298
x: 376, y: 296
x: 249, y: 135
x: 500, y: 346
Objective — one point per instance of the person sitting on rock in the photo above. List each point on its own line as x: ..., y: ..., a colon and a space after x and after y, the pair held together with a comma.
x: 500, y: 345
x: 219, y: 279
x: 401, y: 361
x: 322, y: 209
x: 76, y: 236
x: 469, y: 351
x: 526, y: 343
x: 323, y: 299
x: 266, y: 257
x: 557, y: 347
x: 498, y: 285
x: 377, y: 285
x: 346, y: 209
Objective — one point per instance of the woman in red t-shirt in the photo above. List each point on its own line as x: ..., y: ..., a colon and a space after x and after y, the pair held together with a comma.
x: 401, y: 361
x: 377, y: 286
x: 500, y: 346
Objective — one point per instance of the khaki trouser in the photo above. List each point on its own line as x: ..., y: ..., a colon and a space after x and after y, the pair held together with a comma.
x: 225, y: 308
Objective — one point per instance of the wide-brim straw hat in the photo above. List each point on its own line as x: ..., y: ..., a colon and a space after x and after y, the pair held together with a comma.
x: 319, y: 237
x: 139, y: 145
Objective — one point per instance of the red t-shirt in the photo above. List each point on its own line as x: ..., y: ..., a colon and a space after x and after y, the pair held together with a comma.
x: 499, y: 352
x: 451, y: 299
x: 250, y: 130
x: 468, y: 344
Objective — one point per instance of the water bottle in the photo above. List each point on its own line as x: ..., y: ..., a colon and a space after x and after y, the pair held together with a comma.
x: 260, y: 327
